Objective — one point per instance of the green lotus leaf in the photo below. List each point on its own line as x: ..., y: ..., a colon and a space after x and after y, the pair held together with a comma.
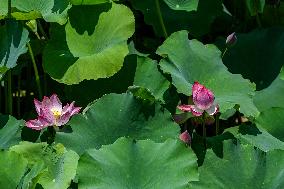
x: 92, y: 46
x: 14, y: 38
x: 252, y: 52
x: 10, y: 133
x: 50, y: 10
x: 148, y: 76
x: 189, y: 60
x: 52, y: 166
x: 247, y: 167
x: 198, y: 22
x: 270, y: 102
x: 138, y: 164
x: 257, y: 137
x: 187, y: 5
x: 114, y: 116
x: 89, y: 2
x: 13, y: 167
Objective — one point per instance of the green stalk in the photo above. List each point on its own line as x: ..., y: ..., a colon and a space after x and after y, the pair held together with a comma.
x: 223, y: 54
x: 204, y: 130
x: 161, y: 18
x: 258, y: 20
x: 41, y: 30
x: 9, y: 93
x: 35, y: 70
x: 19, y: 97
x: 9, y: 8
x: 217, y: 124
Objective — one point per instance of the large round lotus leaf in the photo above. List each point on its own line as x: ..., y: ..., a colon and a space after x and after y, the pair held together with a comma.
x: 189, y: 60
x: 13, y: 40
x: 138, y: 164
x: 52, y: 165
x: 114, y: 116
x: 13, y: 167
x: 92, y: 46
x: 50, y: 10
x: 197, y: 22
x: 257, y: 55
x: 242, y: 166
x: 10, y: 133
x: 187, y: 5
x: 270, y: 102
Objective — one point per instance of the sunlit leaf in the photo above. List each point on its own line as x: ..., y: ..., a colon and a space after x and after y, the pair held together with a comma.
x: 90, y: 48
x: 13, y: 44
x: 50, y: 10
x: 13, y: 167
x: 10, y: 134
x: 52, y: 165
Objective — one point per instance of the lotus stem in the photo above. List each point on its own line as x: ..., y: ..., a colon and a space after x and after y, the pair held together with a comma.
x: 9, y: 93
x: 225, y: 51
x: 35, y: 70
x: 161, y: 18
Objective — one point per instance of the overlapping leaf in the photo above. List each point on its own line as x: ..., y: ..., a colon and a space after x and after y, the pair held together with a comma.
x: 13, y: 44
x: 189, y: 60
x: 242, y: 166
x: 140, y: 164
x: 114, y: 116
x: 13, y: 167
x: 258, y: 137
x: 94, y: 45
x: 270, y: 102
x: 10, y: 134
x: 52, y: 166
x: 50, y: 10
x: 148, y: 77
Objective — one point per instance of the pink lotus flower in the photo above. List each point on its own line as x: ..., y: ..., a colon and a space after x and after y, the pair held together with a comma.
x: 185, y: 137
x: 203, y: 100
x: 51, y: 113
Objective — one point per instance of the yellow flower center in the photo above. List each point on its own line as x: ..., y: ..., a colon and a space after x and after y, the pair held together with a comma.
x: 56, y: 112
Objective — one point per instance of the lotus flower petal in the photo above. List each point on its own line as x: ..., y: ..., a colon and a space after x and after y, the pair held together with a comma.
x: 55, y: 102
x: 196, y: 111
x: 71, y: 109
x: 37, y: 106
x: 213, y: 109
x: 63, y: 119
x: 35, y: 124
x: 203, y: 98
x: 185, y: 137
x: 185, y: 108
